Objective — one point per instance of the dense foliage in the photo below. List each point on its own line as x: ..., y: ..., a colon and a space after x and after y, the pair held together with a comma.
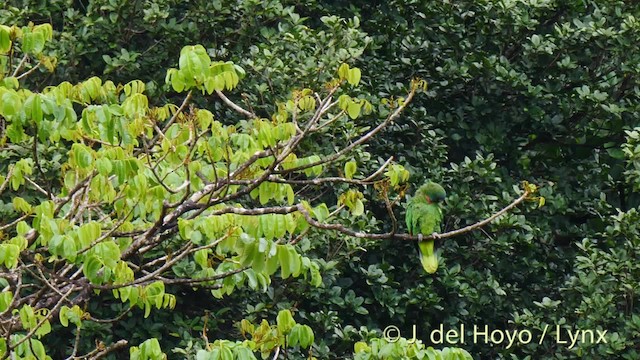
x: 542, y: 91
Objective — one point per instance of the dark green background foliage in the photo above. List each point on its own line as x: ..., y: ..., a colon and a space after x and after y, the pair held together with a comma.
x: 541, y: 91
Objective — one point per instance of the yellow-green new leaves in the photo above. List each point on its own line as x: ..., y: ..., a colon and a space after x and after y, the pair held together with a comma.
x: 225, y: 349
x: 265, y: 337
x: 196, y: 70
x: 145, y: 296
x: 350, y: 169
x: 81, y: 155
x: 154, y: 295
x: 34, y: 38
x: 351, y: 75
x: 5, y: 300
x: 29, y: 349
x: 278, y: 192
x: 134, y: 87
x: 30, y: 318
x: 11, y: 102
x: 285, y: 321
x: 101, y: 261
x: 71, y: 314
x: 5, y: 39
x: 24, y: 167
x: 403, y: 349
x: 352, y: 199
x: 148, y: 350
x: 292, y: 162
x: 21, y: 205
x: 354, y: 106
x: 9, y: 254
x: 300, y: 335
x: 67, y: 245
x: 296, y: 334
x: 397, y: 174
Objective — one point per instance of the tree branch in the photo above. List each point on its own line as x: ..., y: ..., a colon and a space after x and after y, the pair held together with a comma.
x: 235, y: 107
x: 390, y: 235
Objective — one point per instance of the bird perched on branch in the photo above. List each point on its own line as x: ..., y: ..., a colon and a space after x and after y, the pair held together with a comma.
x: 423, y: 218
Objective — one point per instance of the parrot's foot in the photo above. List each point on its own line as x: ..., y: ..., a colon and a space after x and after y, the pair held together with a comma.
x: 420, y: 237
x: 436, y: 236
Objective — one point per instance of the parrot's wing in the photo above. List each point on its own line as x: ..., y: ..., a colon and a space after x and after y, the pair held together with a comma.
x: 416, y: 212
x: 430, y: 219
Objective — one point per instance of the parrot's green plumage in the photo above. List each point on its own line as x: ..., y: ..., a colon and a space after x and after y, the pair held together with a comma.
x: 424, y: 217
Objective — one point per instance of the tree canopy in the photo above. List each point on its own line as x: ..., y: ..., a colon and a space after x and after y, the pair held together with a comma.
x: 224, y: 180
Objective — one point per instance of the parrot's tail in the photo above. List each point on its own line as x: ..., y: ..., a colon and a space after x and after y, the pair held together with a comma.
x: 429, y: 263
x: 428, y: 257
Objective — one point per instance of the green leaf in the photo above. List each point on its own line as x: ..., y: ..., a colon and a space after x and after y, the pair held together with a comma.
x: 316, y: 277
x: 83, y: 157
x: 285, y: 321
x: 69, y: 249
x: 5, y: 300
x: 9, y: 254
x: 5, y: 39
x: 353, y: 76
x: 90, y: 268
x: 306, y: 336
x: 350, y: 169
x: 108, y: 252
x: 37, y: 347
x: 285, y: 263
x: 343, y: 71
x: 64, y: 320
x: 353, y: 109
x: 361, y: 346
x: 535, y: 40
x: 358, y: 208
x: 201, y: 257
x: 104, y: 166
x: 321, y: 212
x: 11, y: 103
x: 21, y: 205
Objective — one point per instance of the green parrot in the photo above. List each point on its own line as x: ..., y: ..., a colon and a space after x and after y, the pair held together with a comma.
x: 423, y: 217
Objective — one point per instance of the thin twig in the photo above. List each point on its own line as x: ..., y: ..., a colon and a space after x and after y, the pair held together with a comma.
x: 30, y: 71
x: 20, y: 64
x: 111, y: 348
x: 6, y: 179
x: 362, y: 139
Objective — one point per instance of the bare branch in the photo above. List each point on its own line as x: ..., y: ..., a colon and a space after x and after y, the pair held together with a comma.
x: 30, y: 71
x: 20, y: 64
x: 46, y: 318
x: 380, y: 170
x: 184, y: 104
x: 14, y: 222
x: 6, y: 180
x: 207, y: 279
x: 111, y: 348
x: 235, y: 107
x: 361, y: 140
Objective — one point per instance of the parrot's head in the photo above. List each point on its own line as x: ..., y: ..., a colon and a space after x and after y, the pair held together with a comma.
x: 432, y: 192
